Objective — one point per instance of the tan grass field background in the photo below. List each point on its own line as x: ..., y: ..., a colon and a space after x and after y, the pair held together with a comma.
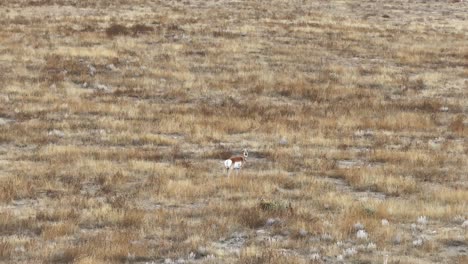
x: 115, y: 117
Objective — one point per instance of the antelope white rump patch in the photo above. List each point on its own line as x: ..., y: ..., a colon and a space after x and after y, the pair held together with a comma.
x: 237, y: 165
x: 227, y: 163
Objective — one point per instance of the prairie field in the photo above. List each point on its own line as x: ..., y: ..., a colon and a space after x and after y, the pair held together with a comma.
x: 116, y: 117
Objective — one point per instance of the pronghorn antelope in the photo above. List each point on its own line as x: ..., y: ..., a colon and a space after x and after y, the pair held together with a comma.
x: 236, y: 162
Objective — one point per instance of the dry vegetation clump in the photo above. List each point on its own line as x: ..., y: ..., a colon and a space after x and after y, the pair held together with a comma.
x: 121, y: 30
x: 5, y: 250
x: 116, y: 116
x: 257, y: 216
x: 458, y: 125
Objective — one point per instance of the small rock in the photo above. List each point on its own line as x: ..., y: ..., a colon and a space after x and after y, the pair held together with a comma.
x: 361, y: 234
x: 272, y: 221
x: 20, y: 249
x: 283, y: 141
x: 326, y: 237
x: 418, y: 242
x: 385, y: 222
x: 436, y: 143
x: 111, y: 67
x: 56, y: 133
x: 459, y: 219
x: 314, y: 239
x: 444, y: 109
x: 92, y: 70
x: 397, y: 239
x: 350, y: 251
x: 19, y: 202
x: 358, y: 226
x: 4, y: 121
x: 201, y: 252
x: 191, y: 255
x: 84, y: 85
x: 303, y: 233
x: 422, y: 220
x: 102, y: 87
x: 364, y: 133
x: 465, y: 224
x: 340, y: 258
x: 315, y: 257
x: 346, y: 164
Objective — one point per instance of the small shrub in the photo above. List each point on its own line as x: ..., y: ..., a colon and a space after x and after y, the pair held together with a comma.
x: 7, y: 192
x: 141, y: 29
x: 417, y: 85
x: 132, y: 219
x: 252, y: 218
x: 157, y: 182
x: 275, y: 206
x: 16, y: 188
x: 5, y: 250
x: 11, y: 224
x: 116, y: 30
x: 121, y: 30
x: 54, y: 231
x: 68, y: 255
x: 57, y: 67
x: 177, y: 153
x: 57, y: 215
x: 457, y: 125
x: 286, y: 182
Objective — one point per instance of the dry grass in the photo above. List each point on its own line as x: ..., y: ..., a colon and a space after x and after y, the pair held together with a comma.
x: 380, y: 180
x: 115, y: 117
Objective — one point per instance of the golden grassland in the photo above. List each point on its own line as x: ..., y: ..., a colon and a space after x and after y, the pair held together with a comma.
x: 115, y: 117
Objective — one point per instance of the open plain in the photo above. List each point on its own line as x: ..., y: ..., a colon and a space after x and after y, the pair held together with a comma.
x: 116, y: 116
